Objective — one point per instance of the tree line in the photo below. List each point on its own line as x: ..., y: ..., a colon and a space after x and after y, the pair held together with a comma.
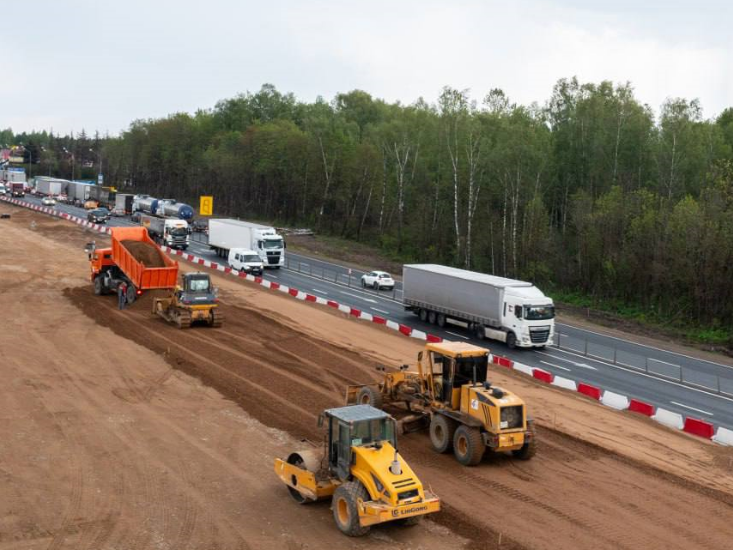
x: 590, y: 193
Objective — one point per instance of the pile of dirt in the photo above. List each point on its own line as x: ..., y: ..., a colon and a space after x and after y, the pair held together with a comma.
x: 144, y: 252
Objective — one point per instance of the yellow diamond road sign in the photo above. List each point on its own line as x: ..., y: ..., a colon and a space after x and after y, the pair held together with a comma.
x: 206, y: 205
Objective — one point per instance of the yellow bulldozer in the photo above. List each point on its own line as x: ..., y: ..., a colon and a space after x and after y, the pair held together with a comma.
x: 360, y: 469
x: 194, y: 300
x: 449, y: 393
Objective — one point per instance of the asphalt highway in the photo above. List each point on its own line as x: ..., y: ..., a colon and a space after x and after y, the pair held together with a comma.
x: 673, y: 381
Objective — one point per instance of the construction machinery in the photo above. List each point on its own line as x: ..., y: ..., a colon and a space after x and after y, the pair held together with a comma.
x: 360, y: 469
x: 194, y: 300
x: 134, y: 259
x: 449, y: 393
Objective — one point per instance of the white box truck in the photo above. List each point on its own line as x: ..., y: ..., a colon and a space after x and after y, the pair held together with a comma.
x: 171, y: 232
x: 226, y: 234
x: 511, y: 311
x: 50, y: 187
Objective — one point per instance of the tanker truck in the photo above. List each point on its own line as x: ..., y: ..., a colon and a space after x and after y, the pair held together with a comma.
x: 508, y: 310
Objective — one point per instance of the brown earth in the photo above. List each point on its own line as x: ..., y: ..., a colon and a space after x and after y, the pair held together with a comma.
x: 146, y: 253
x: 139, y: 449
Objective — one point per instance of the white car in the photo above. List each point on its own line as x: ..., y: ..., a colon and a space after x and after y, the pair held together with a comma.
x: 377, y: 280
x: 48, y: 201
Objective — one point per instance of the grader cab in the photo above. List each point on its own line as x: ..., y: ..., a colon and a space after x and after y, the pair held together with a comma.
x: 360, y: 468
x: 450, y: 393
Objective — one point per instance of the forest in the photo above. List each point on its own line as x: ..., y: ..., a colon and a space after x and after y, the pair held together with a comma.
x: 593, y: 195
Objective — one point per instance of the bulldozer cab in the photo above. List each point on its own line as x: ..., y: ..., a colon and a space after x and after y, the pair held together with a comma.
x: 197, y: 283
x: 449, y: 365
x: 355, y: 426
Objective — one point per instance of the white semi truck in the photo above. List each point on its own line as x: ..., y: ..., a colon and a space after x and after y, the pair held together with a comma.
x: 50, y: 187
x: 172, y: 232
x: 511, y: 311
x: 226, y: 234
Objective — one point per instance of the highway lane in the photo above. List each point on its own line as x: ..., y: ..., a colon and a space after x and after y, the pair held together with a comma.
x: 568, y: 361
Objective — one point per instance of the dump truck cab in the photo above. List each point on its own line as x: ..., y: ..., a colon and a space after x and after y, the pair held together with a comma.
x: 361, y: 469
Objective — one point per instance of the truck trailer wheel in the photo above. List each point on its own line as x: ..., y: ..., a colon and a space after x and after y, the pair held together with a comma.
x: 432, y: 317
x: 468, y: 446
x: 423, y: 314
x: 441, y: 320
x: 442, y: 432
x: 345, y: 507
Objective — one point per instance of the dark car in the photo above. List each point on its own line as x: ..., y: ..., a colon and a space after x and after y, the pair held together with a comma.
x: 136, y: 217
x: 98, y: 215
x: 200, y: 226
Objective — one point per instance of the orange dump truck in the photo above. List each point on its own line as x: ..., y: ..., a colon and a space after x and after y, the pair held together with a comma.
x: 135, y: 259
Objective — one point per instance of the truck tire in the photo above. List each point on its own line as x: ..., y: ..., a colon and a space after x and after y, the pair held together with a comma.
x: 345, y: 507
x: 131, y: 294
x: 368, y: 395
x: 441, y: 320
x: 432, y: 317
x: 511, y: 340
x: 478, y: 331
x: 442, y: 432
x: 423, y: 314
x: 98, y: 286
x: 468, y: 446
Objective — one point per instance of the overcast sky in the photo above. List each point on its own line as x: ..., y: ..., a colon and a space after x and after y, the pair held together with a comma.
x: 99, y: 64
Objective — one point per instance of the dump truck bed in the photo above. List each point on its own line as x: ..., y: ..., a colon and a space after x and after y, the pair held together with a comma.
x: 144, y: 264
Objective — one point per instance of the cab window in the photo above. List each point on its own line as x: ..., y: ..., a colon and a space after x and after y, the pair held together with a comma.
x: 518, y: 311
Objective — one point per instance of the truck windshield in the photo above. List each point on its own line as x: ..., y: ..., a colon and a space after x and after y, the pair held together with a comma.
x: 272, y: 243
x: 251, y: 258
x: 368, y: 432
x: 179, y: 231
x: 539, y: 313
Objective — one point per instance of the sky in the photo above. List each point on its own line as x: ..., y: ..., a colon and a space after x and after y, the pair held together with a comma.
x: 98, y: 65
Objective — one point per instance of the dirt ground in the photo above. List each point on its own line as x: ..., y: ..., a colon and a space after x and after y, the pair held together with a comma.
x: 121, y: 431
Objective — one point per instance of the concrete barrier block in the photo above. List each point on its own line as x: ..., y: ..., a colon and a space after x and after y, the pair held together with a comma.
x: 392, y: 325
x: 366, y: 316
x: 543, y: 375
x: 724, y: 436
x: 590, y: 391
x: 419, y: 334
x: 615, y: 400
x: 434, y: 338
x: 523, y: 368
x: 640, y: 407
x: 669, y: 419
x: 344, y: 309
x: 566, y: 383
x: 321, y: 301
x: 699, y: 427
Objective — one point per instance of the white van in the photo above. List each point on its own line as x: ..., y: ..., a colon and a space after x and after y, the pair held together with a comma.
x: 2, y: 189
x: 243, y: 259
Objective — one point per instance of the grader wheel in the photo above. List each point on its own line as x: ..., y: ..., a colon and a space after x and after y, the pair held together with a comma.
x: 369, y: 395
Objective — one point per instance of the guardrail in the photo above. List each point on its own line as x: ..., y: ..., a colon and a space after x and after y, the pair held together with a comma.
x: 648, y: 365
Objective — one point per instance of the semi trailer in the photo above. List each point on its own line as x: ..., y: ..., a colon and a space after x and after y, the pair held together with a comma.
x: 508, y: 310
x: 51, y: 187
x: 226, y: 234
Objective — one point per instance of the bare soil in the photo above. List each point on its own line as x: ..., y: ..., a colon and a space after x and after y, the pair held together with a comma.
x: 149, y: 255
x: 116, y: 434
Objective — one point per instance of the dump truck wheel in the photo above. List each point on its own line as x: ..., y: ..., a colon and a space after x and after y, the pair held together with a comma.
x: 369, y: 395
x: 345, y: 507
x: 529, y: 449
x: 442, y: 432
x: 131, y: 294
x: 468, y: 446
x: 98, y: 289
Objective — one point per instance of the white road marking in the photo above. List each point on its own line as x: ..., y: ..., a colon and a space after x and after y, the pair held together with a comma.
x: 359, y: 297
x: 555, y: 366
x: 320, y: 292
x: 582, y: 365
x: 459, y: 335
x: 380, y: 310
x: 692, y: 408
x: 271, y: 275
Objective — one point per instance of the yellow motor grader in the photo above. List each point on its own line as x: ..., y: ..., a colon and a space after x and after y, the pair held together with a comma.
x: 449, y: 393
x: 360, y: 469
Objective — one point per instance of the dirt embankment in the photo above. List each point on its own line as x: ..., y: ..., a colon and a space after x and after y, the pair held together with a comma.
x: 600, y: 480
